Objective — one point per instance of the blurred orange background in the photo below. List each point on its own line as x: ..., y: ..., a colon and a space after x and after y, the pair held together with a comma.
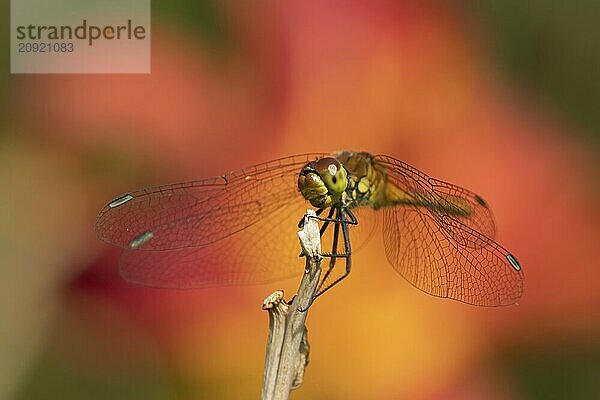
x: 495, y: 98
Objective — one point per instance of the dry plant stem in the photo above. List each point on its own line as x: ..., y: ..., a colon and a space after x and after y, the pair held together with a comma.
x: 278, y: 309
x: 287, y: 345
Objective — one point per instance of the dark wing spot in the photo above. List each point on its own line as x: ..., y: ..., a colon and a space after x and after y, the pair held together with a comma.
x: 513, y: 262
x: 140, y: 239
x: 481, y: 201
x: 120, y: 200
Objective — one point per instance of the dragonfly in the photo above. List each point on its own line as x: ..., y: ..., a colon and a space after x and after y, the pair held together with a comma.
x: 233, y: 229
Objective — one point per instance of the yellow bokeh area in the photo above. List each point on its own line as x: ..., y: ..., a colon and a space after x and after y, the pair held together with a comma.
x: 443, y: 86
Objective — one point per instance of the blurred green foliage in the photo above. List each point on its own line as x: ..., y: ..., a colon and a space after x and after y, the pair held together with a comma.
x: 52, y: 379
x: 556, y: 372
x: 551, y: 49
x: 203, y: 17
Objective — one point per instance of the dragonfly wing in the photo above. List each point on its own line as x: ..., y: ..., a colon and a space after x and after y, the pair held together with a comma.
x: 367, y: 228
x: 443, y: 254
x: 232, y: 229
x: 428, y: 257
x: 442, y: 195
x: 196, y: 214
x: 263, y: 252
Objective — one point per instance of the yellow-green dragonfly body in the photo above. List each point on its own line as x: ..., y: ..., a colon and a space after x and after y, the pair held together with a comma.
x: 238, y: 228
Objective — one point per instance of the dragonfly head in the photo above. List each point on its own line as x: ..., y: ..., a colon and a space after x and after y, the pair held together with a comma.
x: 323, y: 182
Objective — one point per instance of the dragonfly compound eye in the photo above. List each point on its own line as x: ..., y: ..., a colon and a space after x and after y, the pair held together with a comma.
x: 333, y: 174
x: 322, y: 182
x: 312, y: 187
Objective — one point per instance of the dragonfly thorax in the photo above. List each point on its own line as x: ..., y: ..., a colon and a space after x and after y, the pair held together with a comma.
x: 323, y: 182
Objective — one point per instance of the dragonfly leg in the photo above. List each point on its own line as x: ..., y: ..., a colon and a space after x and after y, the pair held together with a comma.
x: 326, y: 223
x: 343, y: 223
x: 353, y: 220
x: 332, y: 260
x: 338, y: 218
x: 340, y: 222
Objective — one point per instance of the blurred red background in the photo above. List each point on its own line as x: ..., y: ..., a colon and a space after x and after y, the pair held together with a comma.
x: 247, y: 82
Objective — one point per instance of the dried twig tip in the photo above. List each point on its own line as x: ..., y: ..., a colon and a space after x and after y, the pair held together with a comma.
x: 310, y: 237
x: 273, y: 300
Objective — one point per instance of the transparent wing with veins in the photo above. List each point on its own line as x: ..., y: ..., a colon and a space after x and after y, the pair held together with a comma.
x: 441, y: 198
x: 443, y: 253
x: 234, y: 229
